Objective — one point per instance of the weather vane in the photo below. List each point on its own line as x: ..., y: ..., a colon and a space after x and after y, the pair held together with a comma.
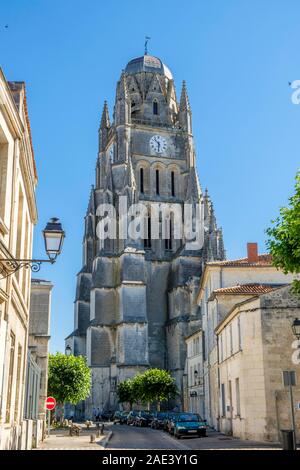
x: 146, y: 44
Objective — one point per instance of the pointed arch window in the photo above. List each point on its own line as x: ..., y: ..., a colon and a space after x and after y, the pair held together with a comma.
x: 142, y: 180
x: 169, y: 233
x: 172, y: 183
x: 155, y: 107
x: 157, y: 181
x: 147, y: 239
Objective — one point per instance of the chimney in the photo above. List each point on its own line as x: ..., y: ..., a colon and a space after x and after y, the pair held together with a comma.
x: 252, y: 252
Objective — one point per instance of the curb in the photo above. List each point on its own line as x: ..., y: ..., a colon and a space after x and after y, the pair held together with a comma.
x: 105, y: 441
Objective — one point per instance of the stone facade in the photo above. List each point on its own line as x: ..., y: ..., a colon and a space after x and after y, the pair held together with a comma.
x: 136, y: 300
x: 253, y: 401
x: 194, y: 381
x: 38, y: 340
x: 18, y: 214
x: 224, y: 284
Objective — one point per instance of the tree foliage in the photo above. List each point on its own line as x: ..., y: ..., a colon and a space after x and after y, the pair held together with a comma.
x: 284, y: 237
x: 125, y: 392
x: 69, y: 378
x: 154, y: 385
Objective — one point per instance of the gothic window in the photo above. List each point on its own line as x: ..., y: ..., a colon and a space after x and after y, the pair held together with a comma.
x: 172, y: 183
x: 168, y: 241
x: 155, y: 107
x: 132, y: 103
x: 147, y: 239
x: 142, y: 180
x: 157, y: 181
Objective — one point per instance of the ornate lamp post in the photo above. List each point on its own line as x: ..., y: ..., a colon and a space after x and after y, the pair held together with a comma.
x: 53, y: 237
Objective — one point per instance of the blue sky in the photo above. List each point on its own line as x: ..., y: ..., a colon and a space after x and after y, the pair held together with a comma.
x: 237, y: 57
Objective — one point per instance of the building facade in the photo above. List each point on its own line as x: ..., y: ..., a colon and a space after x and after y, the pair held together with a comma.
x: 18, y: 214
x: 38, y: 349
x: 254, y: 402
x: 223, y: 285
x: 136, y: 298
x: 193, y: 379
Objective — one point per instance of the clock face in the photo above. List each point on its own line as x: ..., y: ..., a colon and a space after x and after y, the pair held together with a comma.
x: 111, y: 153
x: 158, y: 144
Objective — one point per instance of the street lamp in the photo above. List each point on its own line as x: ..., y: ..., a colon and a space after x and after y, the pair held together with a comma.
x: 68, y: 350
x: 296, y: 328
x: 53, y: 237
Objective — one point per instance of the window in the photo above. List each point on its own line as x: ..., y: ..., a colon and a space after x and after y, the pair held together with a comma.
x: 132, y: 104
x: 147, y: 239
x: 168, y: 241
x: 155, y: 107
x: 203, y: 346
x: 223, y: 399
x: 3, y: 177
x: 239, y: 333
x: 19, y: 227
x: 230, y: 338
x: 157, y: 181
x: 142, y: 180
x: 18, y: 381
x: 10, y: 375
x: 237, y: 395
x: 172, y: 183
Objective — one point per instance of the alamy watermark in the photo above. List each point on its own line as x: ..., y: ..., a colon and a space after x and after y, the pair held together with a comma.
x: 154, y: 221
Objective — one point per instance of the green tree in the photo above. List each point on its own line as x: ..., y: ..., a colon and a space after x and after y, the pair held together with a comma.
x: 69, y: 378
x: 125, y: 392
x: 155, y: 385
x: 284, y: 237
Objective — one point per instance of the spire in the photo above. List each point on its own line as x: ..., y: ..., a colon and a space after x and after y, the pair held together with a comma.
x: 104, y: 127
x: 184, y: 99
x: 185, y: 114
x: 105, y: 122
x: 129, y: 179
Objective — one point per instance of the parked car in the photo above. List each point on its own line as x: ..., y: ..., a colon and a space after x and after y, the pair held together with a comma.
x: 131, y: 418
x: 117, y: 417
x: 144, y: 418
x: 186, y: 424
x: 123, y: 417
x: 158, y: 419
x: 171, y: 421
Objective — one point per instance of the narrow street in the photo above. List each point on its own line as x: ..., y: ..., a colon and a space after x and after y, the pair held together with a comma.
x: 130, y: 437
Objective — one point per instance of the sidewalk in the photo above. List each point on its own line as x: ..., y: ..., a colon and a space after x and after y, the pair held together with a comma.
x: 59, y: 439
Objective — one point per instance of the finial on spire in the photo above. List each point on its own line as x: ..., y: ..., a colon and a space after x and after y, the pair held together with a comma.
x: 105, y: 122
x: 184, y: 100
x: 147, y: 38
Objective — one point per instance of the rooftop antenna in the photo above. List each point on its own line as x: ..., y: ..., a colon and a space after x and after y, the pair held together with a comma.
x: 147, y: 38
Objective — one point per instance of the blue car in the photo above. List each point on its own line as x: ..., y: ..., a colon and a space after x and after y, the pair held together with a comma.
x: 189, y: 424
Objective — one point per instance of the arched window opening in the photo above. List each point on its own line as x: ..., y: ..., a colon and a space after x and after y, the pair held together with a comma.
x: 172, y: 183
x: 157, y: 181
x: 132, y: 103
x: 147, y: 239
x: 169, y: 233
x: 155, y: 107
x: 142, y: 180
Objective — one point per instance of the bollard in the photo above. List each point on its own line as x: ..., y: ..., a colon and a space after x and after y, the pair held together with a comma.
x: 92, y: 438
x: 98, y: 432
x: 102, y: 429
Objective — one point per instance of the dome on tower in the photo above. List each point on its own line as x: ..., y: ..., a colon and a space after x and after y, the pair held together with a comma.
x: 148, y: 63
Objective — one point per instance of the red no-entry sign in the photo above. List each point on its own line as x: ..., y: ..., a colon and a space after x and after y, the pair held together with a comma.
x: 50, y: 403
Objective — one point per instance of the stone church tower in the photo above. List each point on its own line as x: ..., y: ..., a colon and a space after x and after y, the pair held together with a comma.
x: 135, y: 300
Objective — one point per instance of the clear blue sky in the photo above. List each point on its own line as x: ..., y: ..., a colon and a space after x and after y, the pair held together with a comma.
x: 237, y: 57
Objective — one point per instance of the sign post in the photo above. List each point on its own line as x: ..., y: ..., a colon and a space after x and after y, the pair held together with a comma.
x: 50, y: 405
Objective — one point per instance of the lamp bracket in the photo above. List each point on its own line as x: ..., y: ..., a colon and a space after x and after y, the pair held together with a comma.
x: 9, y: 266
